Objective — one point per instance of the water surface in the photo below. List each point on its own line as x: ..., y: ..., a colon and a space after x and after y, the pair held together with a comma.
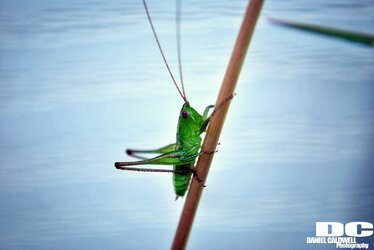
x: 81, y: 81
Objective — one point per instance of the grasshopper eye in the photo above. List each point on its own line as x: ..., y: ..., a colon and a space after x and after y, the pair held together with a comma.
x: 185, y: 114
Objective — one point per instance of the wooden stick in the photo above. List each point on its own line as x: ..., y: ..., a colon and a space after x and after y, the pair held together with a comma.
x: 216, y: 123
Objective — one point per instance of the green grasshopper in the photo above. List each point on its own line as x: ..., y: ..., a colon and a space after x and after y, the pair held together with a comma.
x: 182, y: 154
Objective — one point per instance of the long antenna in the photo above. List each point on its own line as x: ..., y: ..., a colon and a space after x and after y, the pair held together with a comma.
x: 178, y: 17
x: 162, y: 53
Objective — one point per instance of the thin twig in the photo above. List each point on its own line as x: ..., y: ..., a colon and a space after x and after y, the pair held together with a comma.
x: 217, y: 121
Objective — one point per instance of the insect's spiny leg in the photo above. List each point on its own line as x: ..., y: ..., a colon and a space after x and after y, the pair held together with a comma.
x: 209, y: 152
x: 155, y: 170
x: 219, y: 106
x: 196, y: 177
x: 162, y: 52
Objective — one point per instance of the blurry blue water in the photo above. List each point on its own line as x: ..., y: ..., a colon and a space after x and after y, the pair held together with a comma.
x: 81, y: 81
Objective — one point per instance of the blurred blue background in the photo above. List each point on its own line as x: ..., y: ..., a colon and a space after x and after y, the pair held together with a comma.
x: 81, y: 81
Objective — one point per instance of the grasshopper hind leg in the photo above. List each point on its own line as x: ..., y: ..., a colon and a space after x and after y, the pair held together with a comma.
x: 135, y: 152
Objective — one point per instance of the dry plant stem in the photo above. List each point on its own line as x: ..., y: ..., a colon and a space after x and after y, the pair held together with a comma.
x: 215, y: 126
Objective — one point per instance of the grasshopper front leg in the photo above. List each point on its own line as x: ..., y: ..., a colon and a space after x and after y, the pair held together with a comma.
x: 206, y: 111
x: 206, y: 119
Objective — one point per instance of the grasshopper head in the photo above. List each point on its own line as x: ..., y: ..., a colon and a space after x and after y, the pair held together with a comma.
x: 190, y: 117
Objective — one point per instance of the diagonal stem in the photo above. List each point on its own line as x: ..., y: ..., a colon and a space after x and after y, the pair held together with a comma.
x: 217, y: 121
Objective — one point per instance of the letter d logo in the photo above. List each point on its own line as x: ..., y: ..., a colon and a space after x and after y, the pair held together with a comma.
x: 329, y: 229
